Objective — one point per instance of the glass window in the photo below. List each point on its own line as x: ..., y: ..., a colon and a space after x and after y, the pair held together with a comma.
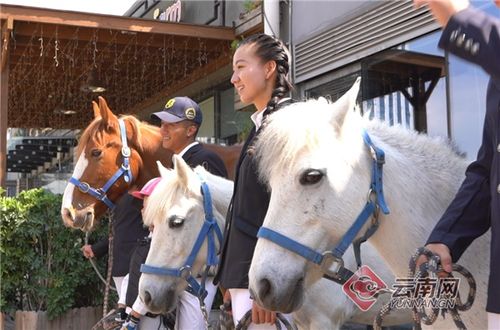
x: 207, y: 129
x: 405, y: 85
x: 234, y: 125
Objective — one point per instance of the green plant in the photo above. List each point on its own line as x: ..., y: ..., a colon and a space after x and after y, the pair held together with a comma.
x: 41, y: 265
x: 250, y: 5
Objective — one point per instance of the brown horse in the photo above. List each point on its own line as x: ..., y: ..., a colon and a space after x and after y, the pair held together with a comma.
x: 108, y: 166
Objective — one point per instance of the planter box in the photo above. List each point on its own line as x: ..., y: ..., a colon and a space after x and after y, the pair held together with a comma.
x: 75, y: 319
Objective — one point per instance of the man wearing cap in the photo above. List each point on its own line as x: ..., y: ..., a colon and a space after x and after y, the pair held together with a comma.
x: 181, y: 119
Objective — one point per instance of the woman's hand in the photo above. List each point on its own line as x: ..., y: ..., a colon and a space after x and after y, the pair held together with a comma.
x: 261, y: 315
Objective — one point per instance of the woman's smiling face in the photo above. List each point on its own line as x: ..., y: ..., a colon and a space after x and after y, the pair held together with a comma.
x: 249, y: 74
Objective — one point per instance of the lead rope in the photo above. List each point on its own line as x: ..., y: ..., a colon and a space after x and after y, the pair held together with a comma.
x: 110, y: 263
x: 431, y: 269
x: 94, y: 265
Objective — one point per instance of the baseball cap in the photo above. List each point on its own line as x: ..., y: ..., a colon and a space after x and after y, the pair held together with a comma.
x: 178, y: 109
x: 147, y: 190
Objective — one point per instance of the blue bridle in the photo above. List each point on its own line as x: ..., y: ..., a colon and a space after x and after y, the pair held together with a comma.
x: 210, y: 230
x: 374, y: 202
x: 124, y: 170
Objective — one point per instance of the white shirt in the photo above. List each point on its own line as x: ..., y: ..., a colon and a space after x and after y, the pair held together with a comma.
x: 189, y: 146
x: 258, y: 115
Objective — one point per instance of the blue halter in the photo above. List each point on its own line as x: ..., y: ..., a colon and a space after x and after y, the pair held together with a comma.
x: 375, y: 202
x: 124, y: 170
x: 209, y: 230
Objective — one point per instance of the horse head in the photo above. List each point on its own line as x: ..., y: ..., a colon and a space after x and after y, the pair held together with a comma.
x: 312, y: 156
x: 178, y: 211
x: 108, y: 163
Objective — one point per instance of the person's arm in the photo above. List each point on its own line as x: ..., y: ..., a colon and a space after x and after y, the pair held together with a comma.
x: 468, y: 215
x: 474, y: 36
x: 215, y: 165
x: 468, y: 33
x: 100, y: 248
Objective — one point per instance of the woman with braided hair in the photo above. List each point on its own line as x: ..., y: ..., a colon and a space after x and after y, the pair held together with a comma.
x: 260, y: 76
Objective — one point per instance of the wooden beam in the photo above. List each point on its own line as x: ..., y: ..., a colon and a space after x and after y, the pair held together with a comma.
x: 6, y: 29
x: 121, y: 23
x: 105, y: 36
x: 4, y: 95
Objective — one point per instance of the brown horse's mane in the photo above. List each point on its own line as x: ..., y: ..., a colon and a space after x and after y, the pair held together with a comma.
x: 94, y: 132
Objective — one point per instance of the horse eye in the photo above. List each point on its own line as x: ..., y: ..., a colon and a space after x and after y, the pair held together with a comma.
x: 311, y: 176
x: 175, y: 221
x: 96, y: 152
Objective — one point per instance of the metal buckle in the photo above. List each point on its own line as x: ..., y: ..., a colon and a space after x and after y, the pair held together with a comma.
x: 126, y: 152
x: 101, y: 193
x: 84, y: 187
x: 335, y: 261
x: 371, y: 196
x: 185, y: 272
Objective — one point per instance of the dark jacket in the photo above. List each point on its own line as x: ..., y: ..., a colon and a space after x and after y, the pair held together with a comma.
x: 128, y: 229
x: 246, y: 214
x: 475, y: 37
x: 198, y: 155
x: 194, y: 156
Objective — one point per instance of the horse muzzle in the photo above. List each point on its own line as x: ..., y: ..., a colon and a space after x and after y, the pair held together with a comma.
x: 284, y: 297
x: 159, y: 299
x: 79, y: 219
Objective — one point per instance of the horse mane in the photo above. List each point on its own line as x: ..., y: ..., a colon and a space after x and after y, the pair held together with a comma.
x: 170, y: 187
x: 162, y: 198
x: 94, y: 132
x: 304, y: 126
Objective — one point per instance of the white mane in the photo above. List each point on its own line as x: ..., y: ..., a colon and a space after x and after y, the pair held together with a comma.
x: 171, y: 187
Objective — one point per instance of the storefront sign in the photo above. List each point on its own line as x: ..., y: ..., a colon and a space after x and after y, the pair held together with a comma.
x: 171, y: 14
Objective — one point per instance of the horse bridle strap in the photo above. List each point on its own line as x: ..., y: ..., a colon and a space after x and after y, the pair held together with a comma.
x: 375, y: 201
x: 124, y: 170
x: 209, y: 230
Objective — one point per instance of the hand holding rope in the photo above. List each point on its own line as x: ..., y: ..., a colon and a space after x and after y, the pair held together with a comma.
x: 431, y: 269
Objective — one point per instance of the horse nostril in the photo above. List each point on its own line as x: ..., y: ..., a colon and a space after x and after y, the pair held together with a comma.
x: 67, y: 215
x: 88, y: 216
x: 147, y: 297
x: 264, y: 287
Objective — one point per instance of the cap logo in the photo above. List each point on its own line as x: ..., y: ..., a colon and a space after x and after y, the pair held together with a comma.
x: 190, y: 113
x: 170, y: 103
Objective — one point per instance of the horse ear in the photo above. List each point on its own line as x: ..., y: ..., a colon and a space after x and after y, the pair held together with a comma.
x: 97, y: 110
x: 106, y: 113
x: 346, y: 103
x: 183, y: 170
x: 162, y: 169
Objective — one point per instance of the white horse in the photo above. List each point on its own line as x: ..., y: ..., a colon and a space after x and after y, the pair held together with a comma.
x: 315, y: 160
x: 178, y: 196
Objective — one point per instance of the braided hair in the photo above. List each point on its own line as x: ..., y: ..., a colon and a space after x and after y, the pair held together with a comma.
x: 269, y: 48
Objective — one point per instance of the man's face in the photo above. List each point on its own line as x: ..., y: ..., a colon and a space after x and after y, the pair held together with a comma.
x: 176, y: 136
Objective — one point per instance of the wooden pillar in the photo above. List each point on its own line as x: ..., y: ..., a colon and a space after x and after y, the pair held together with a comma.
x: 4, y: 98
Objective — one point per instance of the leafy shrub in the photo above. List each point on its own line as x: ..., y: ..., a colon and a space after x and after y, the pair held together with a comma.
x: 41, y: 265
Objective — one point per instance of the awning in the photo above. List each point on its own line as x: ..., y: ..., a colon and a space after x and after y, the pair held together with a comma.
x: 55, y: 58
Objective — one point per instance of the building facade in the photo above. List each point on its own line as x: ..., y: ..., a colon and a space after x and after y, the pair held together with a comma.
x: 406, y: 78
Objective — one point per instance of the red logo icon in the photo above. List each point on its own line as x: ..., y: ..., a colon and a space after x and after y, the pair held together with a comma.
x: 362, y: 287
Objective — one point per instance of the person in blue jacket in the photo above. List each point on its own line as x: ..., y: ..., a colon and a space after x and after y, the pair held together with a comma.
x: 474, y: 36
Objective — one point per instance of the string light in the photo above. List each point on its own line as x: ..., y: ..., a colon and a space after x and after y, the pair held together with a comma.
x: 55, y: 61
